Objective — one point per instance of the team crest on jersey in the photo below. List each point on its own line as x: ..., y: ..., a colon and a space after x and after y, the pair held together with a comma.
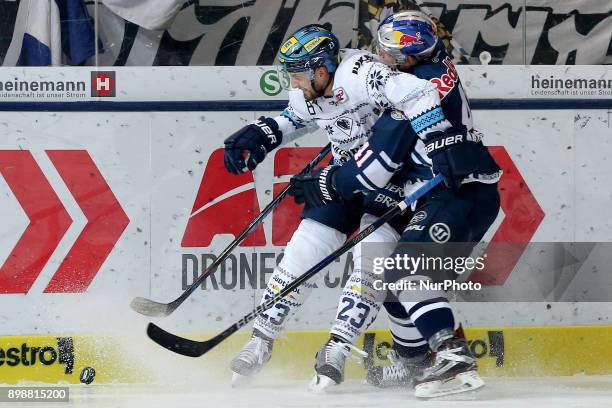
x: 340, y: 95
x: 345, y: 125
x: 398, y: 115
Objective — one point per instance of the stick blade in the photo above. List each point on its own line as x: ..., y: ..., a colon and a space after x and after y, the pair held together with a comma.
x: 176, y: 344
x: 151, y: 308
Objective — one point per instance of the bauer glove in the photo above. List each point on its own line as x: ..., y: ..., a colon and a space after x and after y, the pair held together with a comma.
x: 453, y: 156
x: 248, y: 147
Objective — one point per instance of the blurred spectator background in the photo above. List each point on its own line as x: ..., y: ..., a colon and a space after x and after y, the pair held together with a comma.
x: 241, y: 32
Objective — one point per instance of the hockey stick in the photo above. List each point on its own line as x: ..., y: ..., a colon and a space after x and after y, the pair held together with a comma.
x: 193, y: 348
x: 152, y: 308
x: 355, y: 37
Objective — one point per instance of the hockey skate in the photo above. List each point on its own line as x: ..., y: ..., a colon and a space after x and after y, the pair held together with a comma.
x: 329, y: 365
x: 251, y: 358
x: 453, y: 371
x: 401, y: 372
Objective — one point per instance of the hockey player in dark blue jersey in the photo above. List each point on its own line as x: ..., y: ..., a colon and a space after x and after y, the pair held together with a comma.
x: 461, y: 211
x: 341, y: 96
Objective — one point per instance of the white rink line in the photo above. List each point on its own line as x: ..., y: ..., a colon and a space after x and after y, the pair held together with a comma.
x: 558, y: 392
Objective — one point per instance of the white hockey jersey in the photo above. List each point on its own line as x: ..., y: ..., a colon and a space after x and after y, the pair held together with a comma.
x: 363, y: 87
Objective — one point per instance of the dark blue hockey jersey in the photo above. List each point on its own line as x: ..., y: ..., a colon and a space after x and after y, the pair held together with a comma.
x: 396, y: 139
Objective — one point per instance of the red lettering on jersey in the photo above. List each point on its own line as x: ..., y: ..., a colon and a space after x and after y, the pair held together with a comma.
x: 448, y: 80
x: 231, y: 215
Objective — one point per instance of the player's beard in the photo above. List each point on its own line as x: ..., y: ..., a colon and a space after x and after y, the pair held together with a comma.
x: 309, y: 94
x: 314, y: 92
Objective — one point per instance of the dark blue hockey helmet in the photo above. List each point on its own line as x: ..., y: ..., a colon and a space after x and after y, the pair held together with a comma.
x: 309, y: 48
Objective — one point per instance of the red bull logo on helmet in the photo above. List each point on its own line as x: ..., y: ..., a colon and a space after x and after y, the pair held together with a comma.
x: 406, y: 40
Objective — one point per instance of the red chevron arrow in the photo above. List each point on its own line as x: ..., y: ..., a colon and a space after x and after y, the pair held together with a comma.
x: 523, y: 215
x: 106, y: 220
x: 49, y: 221
x: 286, y: 217
x: 231, y: 214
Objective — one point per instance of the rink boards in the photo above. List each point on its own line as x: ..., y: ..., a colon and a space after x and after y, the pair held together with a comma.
x: 500, y: 352
x: 108, y: 197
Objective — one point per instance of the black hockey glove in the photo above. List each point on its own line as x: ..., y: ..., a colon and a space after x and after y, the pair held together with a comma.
x: 453, y: 156
x: 316, y: 189
x: 248, y: 147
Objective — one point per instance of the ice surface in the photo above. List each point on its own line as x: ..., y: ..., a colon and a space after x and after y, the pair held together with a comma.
x: 557, y: 392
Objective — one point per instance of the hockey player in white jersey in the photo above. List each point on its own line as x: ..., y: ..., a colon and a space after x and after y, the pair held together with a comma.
x: 460, y: 211
x: 344, y: 100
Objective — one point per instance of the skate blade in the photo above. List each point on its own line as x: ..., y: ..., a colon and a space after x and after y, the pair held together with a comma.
x: 239, y: 380
x: 320, y: 383
x: 468, y: 381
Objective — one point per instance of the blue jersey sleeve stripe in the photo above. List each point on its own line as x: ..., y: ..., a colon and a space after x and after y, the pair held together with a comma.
x: 367, y: 184
x: 289, y: 116
x: 385, y: 165
x: 428, y: 119
x: 375, y: 172
x: 388, y: 161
